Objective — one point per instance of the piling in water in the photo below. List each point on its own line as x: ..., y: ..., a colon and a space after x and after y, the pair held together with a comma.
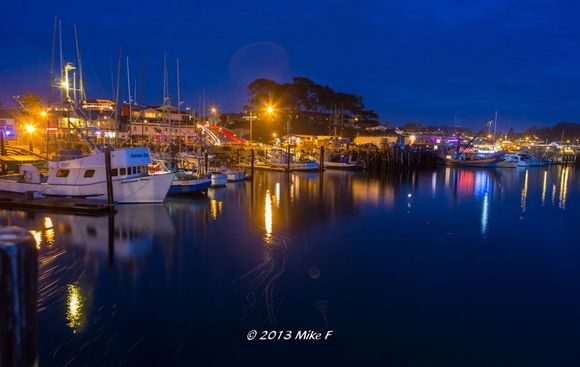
x: 18, y: 294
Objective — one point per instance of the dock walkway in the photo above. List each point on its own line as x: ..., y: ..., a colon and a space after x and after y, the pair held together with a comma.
x: 54, y: 204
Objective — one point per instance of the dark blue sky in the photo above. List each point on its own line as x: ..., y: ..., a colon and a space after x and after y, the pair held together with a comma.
x: 425, y: 61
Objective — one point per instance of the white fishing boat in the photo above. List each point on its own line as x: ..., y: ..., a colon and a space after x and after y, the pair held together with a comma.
x: 85, y: 176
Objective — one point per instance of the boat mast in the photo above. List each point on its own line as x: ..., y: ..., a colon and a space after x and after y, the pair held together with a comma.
x: 117, y: 93
x: 80, y: 67
x: 494, y: 128
x: 129, y: 94
x: 178, y: 102
x: 51, y: 79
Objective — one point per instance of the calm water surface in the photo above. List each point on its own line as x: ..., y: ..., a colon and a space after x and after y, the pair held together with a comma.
x: 447, y: 267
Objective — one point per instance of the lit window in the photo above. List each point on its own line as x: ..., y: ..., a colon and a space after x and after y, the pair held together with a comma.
x: 62, y: 173
x: 89, y: 173
x: 123, y: 171
x: 114, y: 172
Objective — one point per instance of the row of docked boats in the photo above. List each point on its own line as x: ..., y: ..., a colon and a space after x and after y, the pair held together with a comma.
x: 135, y: 177
x: 492, y: 159
x: 280, y: 159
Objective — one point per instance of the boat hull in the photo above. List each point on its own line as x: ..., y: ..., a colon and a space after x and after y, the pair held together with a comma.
x: 184, y: 187
x: 343, y: 166
x: 218, y: 180
x: 144, y: 189
x: 236, y: 176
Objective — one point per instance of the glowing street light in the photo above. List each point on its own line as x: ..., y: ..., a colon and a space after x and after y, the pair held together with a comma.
x: 270, y: 109
x: 30, y: 129
x: 42, y: 113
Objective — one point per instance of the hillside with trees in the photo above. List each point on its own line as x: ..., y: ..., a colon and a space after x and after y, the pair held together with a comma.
x: 311, y: 107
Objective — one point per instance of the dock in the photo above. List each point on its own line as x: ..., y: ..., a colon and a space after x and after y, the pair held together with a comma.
x: 55, y: 204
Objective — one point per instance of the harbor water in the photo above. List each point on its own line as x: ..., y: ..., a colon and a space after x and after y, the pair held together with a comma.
x: 453, y: 267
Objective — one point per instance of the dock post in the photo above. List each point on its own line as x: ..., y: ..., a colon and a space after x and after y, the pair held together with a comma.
x: 18, y: 287
x: 2, y: 152
x: 252, y: 164
x: 322, y: 158
x: 288, y: 158
x: 108, y: 169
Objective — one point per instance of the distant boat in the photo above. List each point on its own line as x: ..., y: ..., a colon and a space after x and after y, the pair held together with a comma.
x: 235, y: 176
x: 525, y: 160
x: 279, y: 159
x: 471, y: 159
x: 342, y: 162
x: 76, y: 175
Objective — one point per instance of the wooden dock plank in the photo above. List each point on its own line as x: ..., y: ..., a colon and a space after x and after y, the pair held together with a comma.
x: 54, y: 204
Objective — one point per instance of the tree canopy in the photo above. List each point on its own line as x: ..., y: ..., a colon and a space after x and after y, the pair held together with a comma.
x: 304, y: 95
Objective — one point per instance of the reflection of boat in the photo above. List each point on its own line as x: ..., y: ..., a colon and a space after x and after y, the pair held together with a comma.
x: 342, y: 162
x: 85, y: 177
x: 279, y: 159
x: 134, y: 228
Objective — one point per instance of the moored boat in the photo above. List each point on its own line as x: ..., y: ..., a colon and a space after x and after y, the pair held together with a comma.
x: 342, y: 162
x: 218, y: 179
x: 279, y: 159
x: 85, y: 176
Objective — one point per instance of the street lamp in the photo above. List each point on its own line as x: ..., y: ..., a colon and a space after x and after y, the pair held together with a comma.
x: 30, y: 129
x: 269, y: 110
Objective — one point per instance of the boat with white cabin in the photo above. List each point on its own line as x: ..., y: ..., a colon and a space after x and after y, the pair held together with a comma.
x: 75, y: 175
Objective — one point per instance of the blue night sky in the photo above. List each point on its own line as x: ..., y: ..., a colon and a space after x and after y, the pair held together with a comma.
x: 434, y: 62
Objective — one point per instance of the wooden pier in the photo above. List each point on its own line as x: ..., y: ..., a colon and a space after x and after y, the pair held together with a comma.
x: 55, y: 204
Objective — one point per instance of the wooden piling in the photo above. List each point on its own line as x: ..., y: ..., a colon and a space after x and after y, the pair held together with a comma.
x: 18, y: 290
x: 110, y: 198
x: 252, y: 158
x: 322, y: 158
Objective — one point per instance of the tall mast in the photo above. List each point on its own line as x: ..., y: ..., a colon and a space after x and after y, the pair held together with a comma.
x: 117, y: 92
x: 494, y: 128
x: 178, y: 91
x: 129, y: 92
x: 61, y: 58
x: 178, y: 102
x: 142, y: 96
x: 51, y: 80
x: 80, y: 67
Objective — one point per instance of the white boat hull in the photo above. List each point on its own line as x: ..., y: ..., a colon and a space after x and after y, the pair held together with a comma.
x: 236, y: 176
x: 144, y: 189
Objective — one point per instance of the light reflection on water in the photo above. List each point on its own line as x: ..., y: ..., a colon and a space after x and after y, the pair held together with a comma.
x: 304, y: 250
